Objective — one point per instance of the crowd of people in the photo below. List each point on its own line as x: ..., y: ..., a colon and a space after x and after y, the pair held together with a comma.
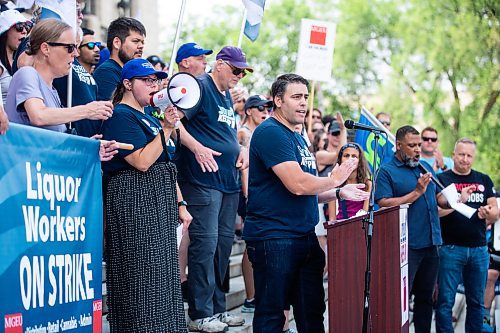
x: 236, y: 156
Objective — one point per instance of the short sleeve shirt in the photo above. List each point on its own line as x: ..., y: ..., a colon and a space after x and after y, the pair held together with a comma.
x: 27, y: 83
x: 213, y: 124
x: 128, y: 125
x: 273, y: 211
x: 394, y: 180
x: 107, y: 76
x: 458, y: 229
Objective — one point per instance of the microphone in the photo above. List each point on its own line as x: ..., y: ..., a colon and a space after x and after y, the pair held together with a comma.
x: 353, y: 125
x: 434, y: 179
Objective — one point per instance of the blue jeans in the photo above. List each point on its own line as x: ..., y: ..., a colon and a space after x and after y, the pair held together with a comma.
x: 471, y: 263
x: 423, y: 267
x: 288, y: 271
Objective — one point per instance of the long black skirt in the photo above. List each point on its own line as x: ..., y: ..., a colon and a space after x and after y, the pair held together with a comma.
x: 142, y: 274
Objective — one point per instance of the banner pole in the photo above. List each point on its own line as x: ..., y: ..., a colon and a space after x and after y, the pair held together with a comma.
x: 176, y: 40
x: 242, y: 29
x: 311, y: 106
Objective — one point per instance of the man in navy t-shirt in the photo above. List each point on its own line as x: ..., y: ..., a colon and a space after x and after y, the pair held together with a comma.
x: 125, y: 42
x: 464, y: 254
x: 208, y: 164
x: 282, y: 212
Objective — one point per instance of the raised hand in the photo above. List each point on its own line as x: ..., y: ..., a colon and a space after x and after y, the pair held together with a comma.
x: 340, y: 173
x: 422, y: 183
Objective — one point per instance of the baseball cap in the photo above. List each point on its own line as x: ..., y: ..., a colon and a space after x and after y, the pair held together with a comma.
x: 10, y: 17
x: 189, y: 50
x: 140, y: 67
x: 257, y: 100
x: 154, y: 59
x: 334, y: 127
x: 235, y: 56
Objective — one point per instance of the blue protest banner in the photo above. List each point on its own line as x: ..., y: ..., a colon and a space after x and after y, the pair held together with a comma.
x: 50, y: 232
x: 366, y: 140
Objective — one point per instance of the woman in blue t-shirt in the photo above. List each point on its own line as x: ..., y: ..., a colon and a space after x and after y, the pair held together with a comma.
x: 142, y: 211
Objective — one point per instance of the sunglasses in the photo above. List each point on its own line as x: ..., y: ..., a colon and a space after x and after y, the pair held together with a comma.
x: 386, y: 123
x: 149, y: 81
x: 91, y: 45
x: 334, y: 133
x: 424, y: 138
x: 69, y: 47
x: 236, y: 71
x: 20, y: 26
x: 263, y: 108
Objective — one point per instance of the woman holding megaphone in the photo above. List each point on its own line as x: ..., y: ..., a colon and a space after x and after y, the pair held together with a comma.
x: 142, y: 211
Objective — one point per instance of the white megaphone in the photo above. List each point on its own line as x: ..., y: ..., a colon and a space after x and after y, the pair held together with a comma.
x: 183, y: 91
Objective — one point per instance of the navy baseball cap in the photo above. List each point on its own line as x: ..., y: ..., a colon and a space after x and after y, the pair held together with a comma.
x: 235, y: 56
x: 140, y: 67
x: 257, y: 100
x: 334, y: 127
x: 189, y: 50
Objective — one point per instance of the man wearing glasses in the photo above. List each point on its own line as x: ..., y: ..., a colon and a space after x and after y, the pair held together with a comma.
x: 209, y: 162
x: 431, y: 153
x: 88, y: 51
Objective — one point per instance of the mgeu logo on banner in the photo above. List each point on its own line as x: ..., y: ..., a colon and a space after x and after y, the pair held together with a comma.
x: 51, y: 232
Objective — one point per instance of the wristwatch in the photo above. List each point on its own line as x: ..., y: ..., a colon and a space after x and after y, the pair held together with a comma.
x: 337, y: 194
x: 182, y: 203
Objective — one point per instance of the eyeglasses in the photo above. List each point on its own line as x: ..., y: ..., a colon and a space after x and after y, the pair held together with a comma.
x: 424, y: 138
x: 263, y: 108
x: 20, y: 26
x: 236, y: 71
x: 70, y: 47
x: 149, y: 81
x: 91, y: 45
x: 334, y: 133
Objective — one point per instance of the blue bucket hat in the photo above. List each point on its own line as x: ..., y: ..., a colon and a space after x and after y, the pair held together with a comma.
x: 140, y: 67
x: 189, y: 50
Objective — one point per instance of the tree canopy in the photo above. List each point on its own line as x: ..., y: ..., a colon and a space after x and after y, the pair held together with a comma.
x: 425, y: 62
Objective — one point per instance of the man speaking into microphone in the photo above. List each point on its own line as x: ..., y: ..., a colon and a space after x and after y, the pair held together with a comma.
x: 401, y: 181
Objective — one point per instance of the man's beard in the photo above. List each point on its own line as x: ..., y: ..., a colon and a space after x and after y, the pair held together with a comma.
x: 409, y: 161
x: 123, y: 56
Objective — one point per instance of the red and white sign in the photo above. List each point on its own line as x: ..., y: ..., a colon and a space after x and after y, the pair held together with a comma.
x: 97, y: 316
x: 13, y: 323
x: 315, y: 55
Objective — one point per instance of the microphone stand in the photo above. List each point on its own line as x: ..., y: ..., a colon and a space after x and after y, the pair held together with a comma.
x: 369, y: 234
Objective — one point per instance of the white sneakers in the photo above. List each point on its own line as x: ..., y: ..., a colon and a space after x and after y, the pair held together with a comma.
x: 229, y: 319
x: 207, y: 325
x: 215, y: 324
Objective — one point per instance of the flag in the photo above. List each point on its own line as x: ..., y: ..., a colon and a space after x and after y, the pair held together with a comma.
x: 255, y: 13
x: 65, y: 10
x: 366, y: 140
